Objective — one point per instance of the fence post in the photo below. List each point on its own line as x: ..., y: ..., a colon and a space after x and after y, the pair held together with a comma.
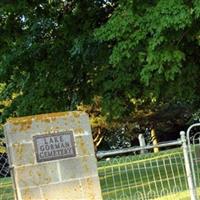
x: 142, y: 142
x: 155, y: 140
x: 192, y: 188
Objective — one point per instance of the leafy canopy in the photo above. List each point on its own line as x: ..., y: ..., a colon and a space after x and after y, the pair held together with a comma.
x: 57, y: 54
x: 154, y: 52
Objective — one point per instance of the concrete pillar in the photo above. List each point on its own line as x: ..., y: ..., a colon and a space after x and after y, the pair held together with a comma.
x: 52, y: 157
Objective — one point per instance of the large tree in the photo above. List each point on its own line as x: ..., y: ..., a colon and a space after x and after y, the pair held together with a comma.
x: 134, y: 55
x: 154, y: 54
x: 48, y: 53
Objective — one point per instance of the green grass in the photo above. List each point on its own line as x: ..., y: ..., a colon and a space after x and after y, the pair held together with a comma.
x: 6, y: 190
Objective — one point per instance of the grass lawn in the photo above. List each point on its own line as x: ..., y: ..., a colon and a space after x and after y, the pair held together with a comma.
x: 6, y: 191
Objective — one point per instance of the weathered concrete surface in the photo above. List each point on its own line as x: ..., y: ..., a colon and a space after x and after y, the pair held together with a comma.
x: 72, y: 178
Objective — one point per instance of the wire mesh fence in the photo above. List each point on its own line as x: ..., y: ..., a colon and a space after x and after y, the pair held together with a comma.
x: 142, y: 177
x: 158, y: 176
x: 133, y: 177
x: 6, y: 191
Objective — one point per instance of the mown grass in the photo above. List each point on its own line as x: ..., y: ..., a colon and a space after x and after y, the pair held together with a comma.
x: 6, y: 190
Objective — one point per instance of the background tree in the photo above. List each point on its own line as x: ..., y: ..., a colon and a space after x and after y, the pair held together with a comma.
x: 139, y: 58
x: 154, y: 53
x: 47, y: 47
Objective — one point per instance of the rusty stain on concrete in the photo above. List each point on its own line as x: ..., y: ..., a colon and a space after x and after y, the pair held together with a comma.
x: 19, y: 149
x: 78, y: 130
x: 83, y: 147
x: 25, y: 123
x: 76, y: 114
x: 22, y: 154
x: 86, y: 165
x: 27, y: 194
x: 30, y: 173
x: 21, y: 126
x: 90, y: 187
x: 41, y: 117
x: 45, y: 117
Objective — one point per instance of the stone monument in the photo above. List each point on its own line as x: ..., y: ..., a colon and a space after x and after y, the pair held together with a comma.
x: 52, y: 157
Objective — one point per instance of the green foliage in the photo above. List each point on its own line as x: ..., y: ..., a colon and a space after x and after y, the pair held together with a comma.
x: 57, y: 54
x: 156, y: 43
x: 197, y: 8
x: 45, y: 55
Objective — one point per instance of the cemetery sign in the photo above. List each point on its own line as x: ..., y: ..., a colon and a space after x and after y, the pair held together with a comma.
x: 54, y: 146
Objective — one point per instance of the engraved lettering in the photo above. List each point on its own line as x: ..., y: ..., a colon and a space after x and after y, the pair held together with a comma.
x: 54, y: 146
x: 51, y: 140
x: 42, y: 155
x: 61, y: 139
x: 45, y: 141
x: 57, y: 146
x: 47, y: 147
x: 56, y: 139
x: 67, y: 144
x: 42, y: 148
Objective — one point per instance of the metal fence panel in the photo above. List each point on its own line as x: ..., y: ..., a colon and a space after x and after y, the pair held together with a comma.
x: 193, y: 138
x: 148, y: 176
